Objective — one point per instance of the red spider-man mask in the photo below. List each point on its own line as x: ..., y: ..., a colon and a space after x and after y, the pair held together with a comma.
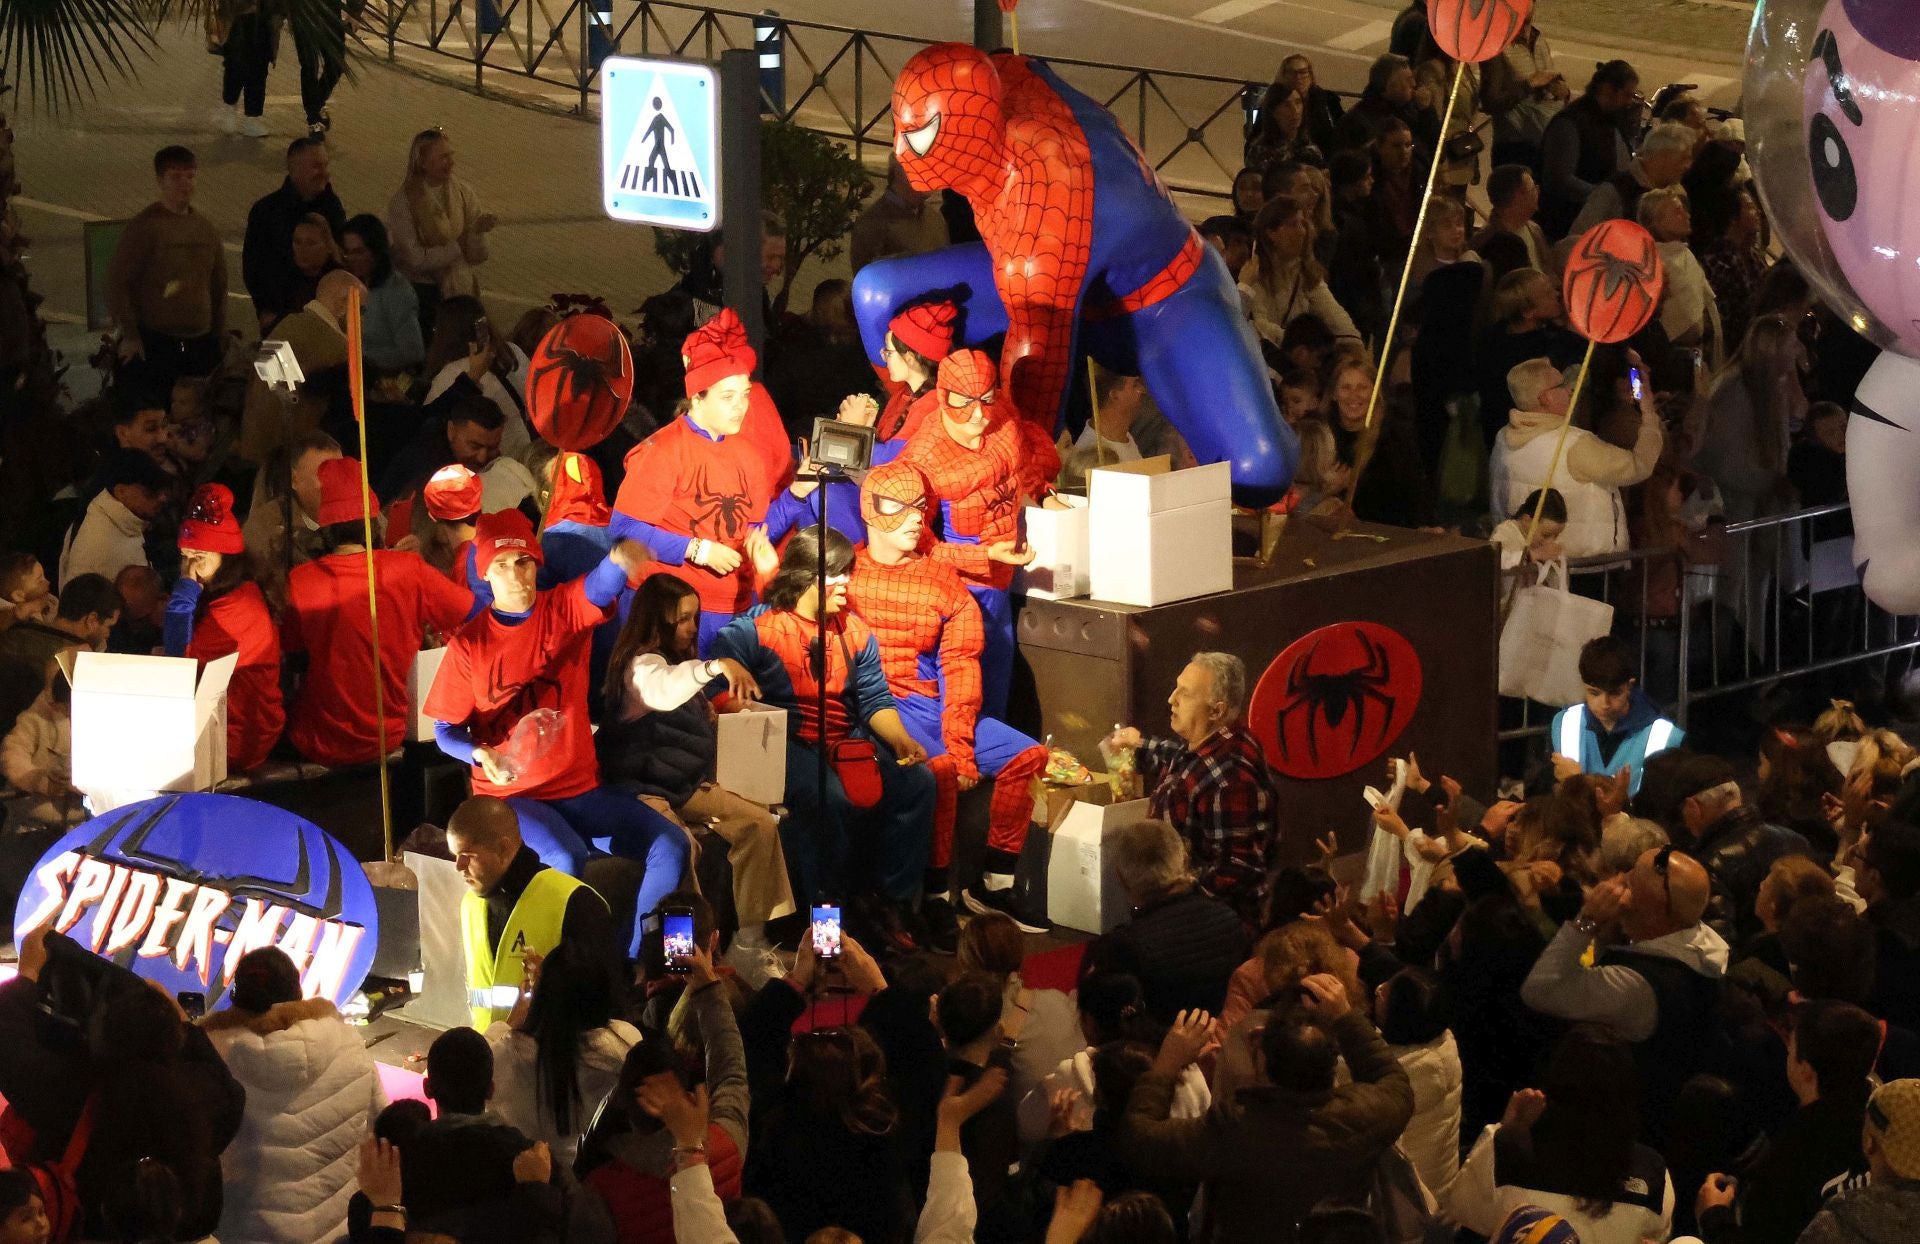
x: 949, y: 130
x: 894, y: 496
x: 967, y: 384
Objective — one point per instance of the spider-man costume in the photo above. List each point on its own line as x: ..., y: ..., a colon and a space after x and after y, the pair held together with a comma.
x: 929, y: 632
x: 981, y: 492
x: 777, y: 647
x: 1080, y: 236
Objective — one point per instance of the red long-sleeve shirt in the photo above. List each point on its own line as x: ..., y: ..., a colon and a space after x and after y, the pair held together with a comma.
x: 327, y: 616
x: 238, y: 621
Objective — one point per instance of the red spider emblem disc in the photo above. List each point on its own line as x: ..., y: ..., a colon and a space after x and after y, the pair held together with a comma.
x: 580, y: 381
x: 1476, y: 30
x: 1335, y: 699
x: 1613, y: 281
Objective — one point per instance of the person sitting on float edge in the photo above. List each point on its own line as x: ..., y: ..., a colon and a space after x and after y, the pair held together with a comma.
x: 1616, y: 726
x: 1212, y: 782
x: 516, y: 908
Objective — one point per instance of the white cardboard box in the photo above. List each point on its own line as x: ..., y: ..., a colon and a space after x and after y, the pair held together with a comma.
x: 442, y: 1003
x: 426, y: 667
x: 148, y: 723
x: 1157, y: 535
x: 751, y: 753
x: 1082, y: 891
x: 1059, y: 570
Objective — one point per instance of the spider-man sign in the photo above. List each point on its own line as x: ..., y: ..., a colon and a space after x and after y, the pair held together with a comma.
x: 580, y: 381
x: 1614, y: 281
x: 1335, y: 699
x: 1476, y: 30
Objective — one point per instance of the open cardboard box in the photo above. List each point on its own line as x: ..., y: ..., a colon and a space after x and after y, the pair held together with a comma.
x: 148, y: 724
x: 751, y: 753
x: 1059, y: 569
x: 1157, y: 535
x: 426, y: 667
x: 1082, y: 891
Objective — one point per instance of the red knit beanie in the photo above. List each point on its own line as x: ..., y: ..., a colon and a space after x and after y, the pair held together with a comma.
x: 340, y: 493
x: 504, y: 531
x: 716, y: 350
x: 210, y: 526
x: 926, y: 329
x: 452, y: 494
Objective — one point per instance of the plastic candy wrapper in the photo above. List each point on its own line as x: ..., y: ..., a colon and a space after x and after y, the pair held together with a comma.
x: 533, y: 736
x: 1063, y: 769
x: 1121, y: 770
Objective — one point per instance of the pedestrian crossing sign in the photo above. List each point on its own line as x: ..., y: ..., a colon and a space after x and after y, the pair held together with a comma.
x: 660, y: 143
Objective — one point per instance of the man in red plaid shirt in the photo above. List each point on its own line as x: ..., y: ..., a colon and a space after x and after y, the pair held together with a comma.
x: 1212, y: 782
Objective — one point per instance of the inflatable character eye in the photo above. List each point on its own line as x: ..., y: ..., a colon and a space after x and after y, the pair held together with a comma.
x: 1833, y: 176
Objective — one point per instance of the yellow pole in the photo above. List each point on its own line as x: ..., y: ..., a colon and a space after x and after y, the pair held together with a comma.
x: 1093, y: 401
x: 357, y: 385
x: 1560, y: 441
x: 1413, y: 247
x: 1014, y: 19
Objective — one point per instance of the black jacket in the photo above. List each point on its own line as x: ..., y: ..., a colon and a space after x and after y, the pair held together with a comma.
x: 1896, y: 980
x: 1798, y: 1170
x: 266, y: 256
x: 1182, y: 949
x: 1737, y: 850
x: 668, y: 753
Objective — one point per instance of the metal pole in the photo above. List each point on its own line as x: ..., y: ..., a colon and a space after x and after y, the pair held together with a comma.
x: 769, y: 43
x: 988, y: 30
x: 740, y: 188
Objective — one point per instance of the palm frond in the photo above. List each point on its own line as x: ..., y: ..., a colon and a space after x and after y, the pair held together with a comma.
x: 60, y: 50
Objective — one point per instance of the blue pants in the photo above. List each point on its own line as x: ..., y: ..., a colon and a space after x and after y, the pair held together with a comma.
x: 996, y: 657
x: 818, y: 834
x: 994, y: 741
x: 632, y: 831
x: 710, y: 625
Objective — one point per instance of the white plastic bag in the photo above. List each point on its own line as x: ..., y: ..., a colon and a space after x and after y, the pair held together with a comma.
x: 1540, y: 644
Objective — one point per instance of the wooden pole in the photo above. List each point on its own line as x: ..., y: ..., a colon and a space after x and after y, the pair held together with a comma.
x: 356, y: 384
x: 1560, y: 441
x: 1413, y: 247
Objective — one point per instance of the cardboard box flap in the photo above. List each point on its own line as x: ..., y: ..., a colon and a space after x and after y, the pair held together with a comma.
x: 1154, y: 484
x: 122, y: 673
x: 213, y: 683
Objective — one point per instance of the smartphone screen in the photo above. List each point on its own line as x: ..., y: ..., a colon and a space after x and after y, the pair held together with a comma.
x: 826, y: 932
x: 676, y: 939
x: 1635, y: 383
x: 194, y: 1004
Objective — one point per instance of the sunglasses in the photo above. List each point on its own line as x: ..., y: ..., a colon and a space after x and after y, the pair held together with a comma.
x: 1662, y: 861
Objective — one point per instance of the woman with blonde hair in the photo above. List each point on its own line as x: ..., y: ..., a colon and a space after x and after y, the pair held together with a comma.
x: 1269, y: 983
x: 439, y: 231
x: 1443, y: 241
x: 1284, y: 281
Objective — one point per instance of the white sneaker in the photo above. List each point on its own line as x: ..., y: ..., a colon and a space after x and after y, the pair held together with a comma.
x: 253, y: 127
x: 755, y: 965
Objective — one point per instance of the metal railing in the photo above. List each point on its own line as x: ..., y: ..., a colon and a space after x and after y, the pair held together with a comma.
x: 1756, y: 603
x: 833, y: 79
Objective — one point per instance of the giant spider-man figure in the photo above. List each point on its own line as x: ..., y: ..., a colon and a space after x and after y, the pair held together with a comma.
x: 1087, y: 253
x: 930, y: 637
x: 982, y: 462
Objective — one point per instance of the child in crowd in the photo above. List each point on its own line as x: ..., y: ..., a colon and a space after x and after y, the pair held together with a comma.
x: 37, y: 756
x: 1531, y: 534
x: 26, y: 594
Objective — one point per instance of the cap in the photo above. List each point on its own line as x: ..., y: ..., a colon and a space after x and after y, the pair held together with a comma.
x: 1893, y: 1121
x: 340, y: 493
x: 927, y: 329
x: 210, y: 526
x: 1530, y: 1224
x: 578, y: 494
x: 504, y: 531
x: 716, y: 350
x: 452, y: 494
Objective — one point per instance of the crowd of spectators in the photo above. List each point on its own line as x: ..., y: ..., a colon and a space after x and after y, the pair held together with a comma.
x: 1642, y: 1000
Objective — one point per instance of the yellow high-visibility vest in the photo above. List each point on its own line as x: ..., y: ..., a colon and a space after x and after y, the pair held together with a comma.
x: 533, y: 925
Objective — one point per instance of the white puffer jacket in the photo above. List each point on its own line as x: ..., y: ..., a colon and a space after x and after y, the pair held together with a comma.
x: 312, y: 1093
x: 1432, y: 1138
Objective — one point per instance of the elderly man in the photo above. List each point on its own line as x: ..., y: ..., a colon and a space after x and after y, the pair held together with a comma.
x: 1655, y: 980
x: 1212, y: 783
x: 516, y: 907
x: 1666, y: 153
x: 1180, y: 944
x: 1589, y: 474
x: 1733, y: 843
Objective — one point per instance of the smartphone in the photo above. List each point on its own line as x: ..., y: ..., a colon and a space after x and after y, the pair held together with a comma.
x: 1637, y: 384
x: 482, y: 333
x: 194, y: 1004
x: 676, y: 939
x: 826, y: 932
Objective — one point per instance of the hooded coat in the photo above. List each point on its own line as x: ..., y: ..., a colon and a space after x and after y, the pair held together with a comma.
x: 312, y: 1094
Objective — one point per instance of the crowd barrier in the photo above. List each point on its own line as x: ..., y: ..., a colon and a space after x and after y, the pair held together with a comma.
x: 833, y: 79
x: 1761, y: 601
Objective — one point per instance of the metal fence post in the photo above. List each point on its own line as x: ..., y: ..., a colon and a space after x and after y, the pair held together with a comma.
x: 769, y: 44
x: 740, y: 188
x: 989, y: 30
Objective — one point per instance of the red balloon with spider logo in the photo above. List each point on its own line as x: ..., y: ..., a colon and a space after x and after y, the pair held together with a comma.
x: 580, y: 381
x: 1613, y: 281
x: 1476, y: 30
x: 1335, y: 699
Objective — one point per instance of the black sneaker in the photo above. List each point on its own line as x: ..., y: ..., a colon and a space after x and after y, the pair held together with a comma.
x: 942, y: 927
x: 980, y: 901
x: 895, y: 924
